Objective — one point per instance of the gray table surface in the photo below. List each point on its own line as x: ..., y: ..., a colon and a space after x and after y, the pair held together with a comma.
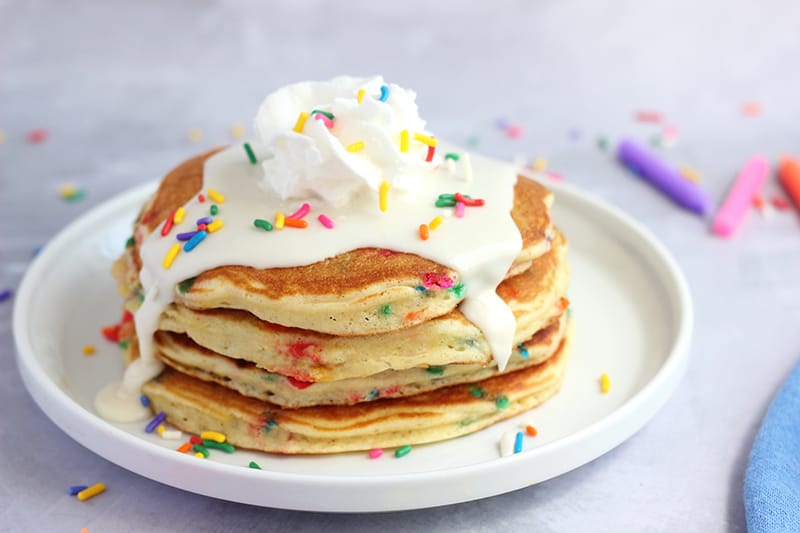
x: 119, y: 84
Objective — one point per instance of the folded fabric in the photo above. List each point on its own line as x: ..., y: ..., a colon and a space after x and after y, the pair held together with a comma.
x: 772, y: 481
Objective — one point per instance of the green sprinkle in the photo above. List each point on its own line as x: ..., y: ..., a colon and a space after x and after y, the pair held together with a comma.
x: 141, y: 297
x: 224, y: 446
x: 130, y: 242
x: 435, y: 370
x: 326, y: 113
x: 254, y: 465
x: 214, y: 210
x: 402, y: 451
x: 447, y: 196
x: 522, y: 350
x: 477, y: 392
x: 467, y: 421
x: 201, y: 449
x: 123, y: 345
x: 386, y: 310
x: 250, y: 154
x: 185, y: 285
x: 269, y: 425
x: 473, y: 141
x: 445, y: 203
x: 453, y: 156
x: 263, y: 224
x: 457, y: 290
x: 602, y: 143
x: 78, y: 194
x: 501, y: 402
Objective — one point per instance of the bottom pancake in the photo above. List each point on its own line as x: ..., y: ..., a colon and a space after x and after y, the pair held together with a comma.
x: 194, y: 406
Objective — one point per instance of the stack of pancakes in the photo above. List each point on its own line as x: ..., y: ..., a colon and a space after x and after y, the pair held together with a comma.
x: 362, y: 350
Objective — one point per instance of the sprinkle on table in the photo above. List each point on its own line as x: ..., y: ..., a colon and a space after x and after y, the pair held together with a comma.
x: 75, y: 489
x: 91, y: 492
x: 531, y: 431
x: 214, y: 226
x: 518, y: 442
x: 254, y: 465
x: 202, y: 450
x: 153, y: 424
x: 5, y: 294
x: 215, y: 196
x: 214, y: 445
x: 263, y: 224
x: 89, y: 349
x: 177, y: 217
x: 185, y: 447
x: 375, y: 453
x: 402, y: 451
x: 605, y: 383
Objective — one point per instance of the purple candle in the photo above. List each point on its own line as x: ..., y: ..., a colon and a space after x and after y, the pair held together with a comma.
x: 668, y: 180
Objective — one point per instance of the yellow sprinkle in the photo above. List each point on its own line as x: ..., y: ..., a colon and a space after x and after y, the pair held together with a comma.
x: 217, y: 197
x: 67, y: 191
x: 216, y: 436
x: 425, y: 139
x: 171, y: 255
x: 690, y: 174
x: 177, y: 218
x: 237, y: 130
x: 195, y: 135
x: 160, y: 429
x: 89, y: 349
x: 435, y: 222
x: 356, y: 146
x: 199, y: 455
x: 605, y: 383
x: 404, y: 141
x: 279, y: 220
x: 360, y: 96
x: 214, y: 226
x: 383, y: 196
x: 301, y: 122
x: 540, y: 164
x: 91, y: 492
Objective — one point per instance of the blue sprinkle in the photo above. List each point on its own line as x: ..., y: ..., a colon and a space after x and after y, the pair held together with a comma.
x: 75, y: 489
x: 501, y: 123
x: 384, y: 93
x: 186, y: 235
x: 5, y: 294
x: 194, y: 241
x: 522, y: 351
x: 420, y: 288
x: 155, y: 422
x: 204, y: 220
x: 518, y: 442
x: 373, y: 394
x: 37, y: 250
x: 144, y: 400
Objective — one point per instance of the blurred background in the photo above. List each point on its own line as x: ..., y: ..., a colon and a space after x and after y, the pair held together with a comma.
x: 103, y: 96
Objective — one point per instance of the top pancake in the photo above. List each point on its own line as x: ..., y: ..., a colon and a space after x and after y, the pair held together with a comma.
x: 339, y: 295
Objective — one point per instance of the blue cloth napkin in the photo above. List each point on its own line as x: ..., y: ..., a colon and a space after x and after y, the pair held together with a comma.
x: 772, y: 481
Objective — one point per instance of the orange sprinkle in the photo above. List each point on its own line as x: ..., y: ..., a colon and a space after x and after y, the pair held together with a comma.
x: 185, y: 447
x: 295, y: 222
x: 84, y: 530
x: 758, y: 202
x: 531, y: 431
x: 563, y: 303
x: 423, y: 232
x: 89, y: 349
x: 412, y: 315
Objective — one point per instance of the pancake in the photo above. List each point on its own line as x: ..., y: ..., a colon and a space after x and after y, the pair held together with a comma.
x: 179, y: 352
x: 194, y: 406
x: 535, y: 297
x: 342, y: 294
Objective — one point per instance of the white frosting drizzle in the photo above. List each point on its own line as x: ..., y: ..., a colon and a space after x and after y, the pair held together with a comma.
x: 481, y: 246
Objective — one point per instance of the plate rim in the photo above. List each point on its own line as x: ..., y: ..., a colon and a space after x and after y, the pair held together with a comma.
x: 604, y: 434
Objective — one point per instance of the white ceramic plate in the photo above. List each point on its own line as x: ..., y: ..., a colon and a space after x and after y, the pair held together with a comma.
x: 633, y: 317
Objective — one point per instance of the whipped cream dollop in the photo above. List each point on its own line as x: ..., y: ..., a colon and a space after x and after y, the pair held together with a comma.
x: 316, y: 162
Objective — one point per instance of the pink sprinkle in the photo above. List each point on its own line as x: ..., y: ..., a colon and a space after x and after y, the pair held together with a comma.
x: 375, y: 453
x: 514, y: 131
x: 438, y: 281
x: 780, y: 204
x: 38, y: 135
x: 751, y: 109
x: 325, y: 120
x: 555, y: 176
x: 460, y: 209
x: 328, y: 223
x: 648, y: 116
x: 305, y: 208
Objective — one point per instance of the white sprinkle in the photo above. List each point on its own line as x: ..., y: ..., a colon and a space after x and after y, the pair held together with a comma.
x: 172, y: 434
x: 467, y: 167
x: 507, y: 443
x: 451, y: 166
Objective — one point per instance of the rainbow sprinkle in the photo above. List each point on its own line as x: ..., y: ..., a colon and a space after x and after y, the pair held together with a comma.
x: 423, y: 232
x: 356, y: 147
x: 375, y: 453
x: 279, y: 220
x: 325, y: 221
x: 402, y: 451
x: 301, y: 122
x: 384, y: 93
x: 404, y: 141
x: 295, y: 223
x: 250, y: 154
x: 75, y: 489
x: 214, y: 226
x: 518, y: 442
x: 301, y: 212
x: 167, y: 227
x: 254, y: 465
x: 91, y: 492
x: 467, y: 163
x: 153, y: 424
x: 195, y: 240
x: 263, y: 224
x: 605, y: 383
x: 425, y: 139
x: 89, y: 349
x: 360, y: 95
x: 171, y: 255
x: 435, y: 222
x: 215, y: 196
x: 383, y: 196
